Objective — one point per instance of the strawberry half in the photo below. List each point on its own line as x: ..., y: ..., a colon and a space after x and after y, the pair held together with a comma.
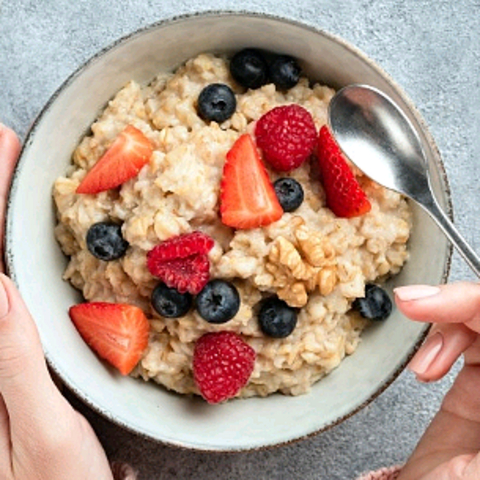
x: 117, y: 332
x: 344, y: 195
x: 247, y: 197
x: 130, y: 151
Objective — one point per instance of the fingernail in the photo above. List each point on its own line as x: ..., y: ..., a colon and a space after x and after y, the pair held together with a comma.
x: 427, y: 354
x: 4, y: 305
x: 415, y: 292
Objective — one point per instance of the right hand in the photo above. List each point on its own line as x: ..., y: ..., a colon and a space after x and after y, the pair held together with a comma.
x: 449, y: 449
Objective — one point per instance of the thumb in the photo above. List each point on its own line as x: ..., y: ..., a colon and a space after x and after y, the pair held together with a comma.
x: 32, y: 399
x: 9, y: 150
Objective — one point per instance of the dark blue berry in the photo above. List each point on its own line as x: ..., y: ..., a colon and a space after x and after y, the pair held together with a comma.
x: 376, y: 305
x: 249, y: 68
x: 105, y: 241
x: 218, y: 302
x: 169, y: 302
x: 289, y: 193
x: 284, y: 72
x: 216, y: 102
x: 276, y: 318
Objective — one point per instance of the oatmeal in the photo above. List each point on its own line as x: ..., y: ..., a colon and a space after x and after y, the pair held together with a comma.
x: 313, y: 260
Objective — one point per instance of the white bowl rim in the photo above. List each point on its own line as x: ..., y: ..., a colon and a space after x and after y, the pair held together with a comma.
x: 9, y: 257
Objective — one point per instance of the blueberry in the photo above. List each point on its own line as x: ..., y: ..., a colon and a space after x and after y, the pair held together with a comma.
x: 216, y: 102
x: 289, y: 193
x: 105, y: 241
x: 249, y: 68
x: 284, y: 72
x: 218, y: 302
x: 169, y: 302
x: 376, y: 305
x: 276, y: 318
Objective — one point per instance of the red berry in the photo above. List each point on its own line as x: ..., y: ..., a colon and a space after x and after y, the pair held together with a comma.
x: 344, y: 195
x: 247, y: 197
x: 286, y: 135
x: 222, y: 365
x: 117, y: 332
x: 127, y: 155
x: 181, y: 262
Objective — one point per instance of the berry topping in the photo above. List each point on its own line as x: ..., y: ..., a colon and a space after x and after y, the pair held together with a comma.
x: 289, y: 193
x: 181, y: 262
x: 216, y: 102
x: 343, y: 193
x: 247, y: 197
x: 169, y: 302
x: 182, y: 246
x: 376, y: 305
x: 130, y: 151
x: 117, y: 332
x: 105, y: 241
x: 276, y: 318
x: 218, y: 302
x: 222, y: 365
x: 286, y: 135
x: 249, y: 68
x: 284, y: 72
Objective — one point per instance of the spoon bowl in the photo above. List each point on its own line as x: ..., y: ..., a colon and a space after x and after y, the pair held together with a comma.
x: 380, y: 140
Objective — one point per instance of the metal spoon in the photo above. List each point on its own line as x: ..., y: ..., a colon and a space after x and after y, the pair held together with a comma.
x: 378, y: 137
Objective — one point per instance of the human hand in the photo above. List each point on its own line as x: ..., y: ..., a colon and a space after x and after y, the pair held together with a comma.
x: 449, y: 449
x: 41, y: 436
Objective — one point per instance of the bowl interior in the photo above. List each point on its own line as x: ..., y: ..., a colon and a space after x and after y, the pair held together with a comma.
x: 37, y: 266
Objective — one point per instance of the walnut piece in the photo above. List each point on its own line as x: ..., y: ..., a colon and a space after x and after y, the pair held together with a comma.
x: 301, y: 267
x: 318, y: 251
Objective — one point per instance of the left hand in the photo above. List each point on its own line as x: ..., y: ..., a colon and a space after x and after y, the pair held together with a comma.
x: 41, y: 436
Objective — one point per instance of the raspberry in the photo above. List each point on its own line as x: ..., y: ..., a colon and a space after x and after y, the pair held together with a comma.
x: 222, y: 365
x: 183, y: 246
x: 287, y: 136
x: 181, y: 262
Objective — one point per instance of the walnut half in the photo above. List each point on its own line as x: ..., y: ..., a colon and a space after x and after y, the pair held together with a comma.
x: 302, y: 267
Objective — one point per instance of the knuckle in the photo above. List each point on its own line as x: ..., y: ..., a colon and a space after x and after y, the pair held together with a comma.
x: 456, y: 467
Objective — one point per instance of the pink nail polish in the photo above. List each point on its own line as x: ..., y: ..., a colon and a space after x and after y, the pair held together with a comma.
x: 415, y: 292
x: 427, y: 354
x: 4, y: 304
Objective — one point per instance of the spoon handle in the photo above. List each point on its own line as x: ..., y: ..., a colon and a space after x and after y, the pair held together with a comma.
x: 433, y: 208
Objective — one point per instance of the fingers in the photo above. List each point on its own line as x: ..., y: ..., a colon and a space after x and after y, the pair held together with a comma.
x: 453, y: 303
x: 453, y: 469
x: 32, y: 400
x: 9, y: 150
x: 441, y: 350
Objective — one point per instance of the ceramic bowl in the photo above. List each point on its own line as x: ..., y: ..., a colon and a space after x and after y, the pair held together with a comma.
x: 36, y: 262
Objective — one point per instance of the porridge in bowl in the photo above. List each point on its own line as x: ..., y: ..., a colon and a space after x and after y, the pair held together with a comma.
x: 223, y: 245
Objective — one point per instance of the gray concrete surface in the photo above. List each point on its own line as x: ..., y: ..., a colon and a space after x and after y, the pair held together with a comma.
x: 431, y: 47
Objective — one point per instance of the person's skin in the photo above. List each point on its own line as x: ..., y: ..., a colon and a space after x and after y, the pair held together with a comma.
x: 449, y: 449
x: 41, y: 436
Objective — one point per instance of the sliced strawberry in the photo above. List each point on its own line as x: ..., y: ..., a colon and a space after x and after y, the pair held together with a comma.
x: 344, y: 195
x: 117, y: 332
x: 247, y: 197
x: 130, y: 151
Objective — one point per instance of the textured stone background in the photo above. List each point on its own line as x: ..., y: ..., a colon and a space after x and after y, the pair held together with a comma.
x: 431, y: 47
